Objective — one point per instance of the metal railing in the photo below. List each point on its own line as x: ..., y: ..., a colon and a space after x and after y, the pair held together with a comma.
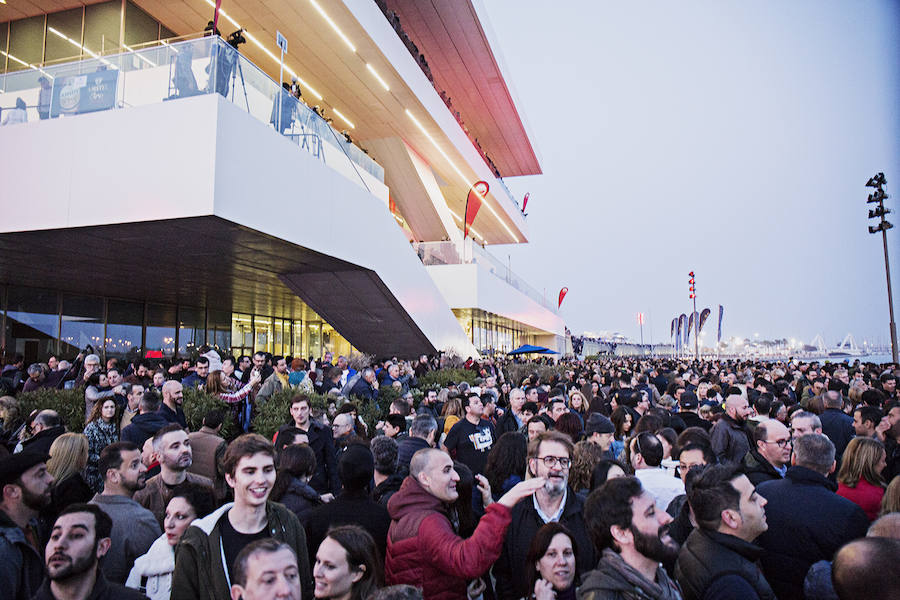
x: 448, y: 253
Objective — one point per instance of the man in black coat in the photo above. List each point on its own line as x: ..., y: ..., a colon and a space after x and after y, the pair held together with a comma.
x: 47, y: 426
x: 555, y: 501
x: 422, y: 433
x: 808, y: 522
x: 718, y: 559
x: 325, y: 480
x: 353, y: 506
x: 836, y: 424
x: 770, y: 458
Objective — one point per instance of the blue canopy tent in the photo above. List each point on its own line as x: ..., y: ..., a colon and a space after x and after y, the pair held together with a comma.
x: 529, y: 349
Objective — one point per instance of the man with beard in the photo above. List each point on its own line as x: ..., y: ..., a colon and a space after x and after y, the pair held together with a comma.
x: 729, y: 437
x: 549, y: 458
x: 172, y: 447
x: 471, y: 438
x: 633, y: 534
x: 24, y: 491
x: 134, y: 527
x: 719, y: 559
x: 888, y: 431
x: 79, y: 540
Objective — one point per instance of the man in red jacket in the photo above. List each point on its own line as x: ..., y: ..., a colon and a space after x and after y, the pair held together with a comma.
x: 423, y: 550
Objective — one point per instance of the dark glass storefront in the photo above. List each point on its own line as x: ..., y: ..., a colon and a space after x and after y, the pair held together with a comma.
x: 39, y: 323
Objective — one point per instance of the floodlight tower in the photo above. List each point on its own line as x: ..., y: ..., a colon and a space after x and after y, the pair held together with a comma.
x: 878, y: 197
x: 693, y: 289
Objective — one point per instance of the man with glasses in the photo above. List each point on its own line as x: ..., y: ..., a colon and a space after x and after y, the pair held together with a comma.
x: 549, y: 458
x: 772, y: 453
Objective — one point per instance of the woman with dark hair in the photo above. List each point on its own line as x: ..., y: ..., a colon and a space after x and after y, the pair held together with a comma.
x: 152, y: 572
x: 551, y: 563
x: 584, y: 459
x: 347, y: 565
x: 96, y: 390
x: 506, y: 461
x: 571, y: 425
x: 605, y: 470
x: 219, y: 384
x: 101, y: 431
x: 462, y: 513
x: 621, y: 418
x: 296, y: 466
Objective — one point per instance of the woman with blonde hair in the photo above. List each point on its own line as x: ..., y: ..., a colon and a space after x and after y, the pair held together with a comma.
x: 68, y: 457
x: 891, y: 501
x: 859, y: 479
x: 452, y: 413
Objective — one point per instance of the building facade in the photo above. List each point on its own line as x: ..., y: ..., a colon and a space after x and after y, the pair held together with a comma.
x: 162, y: 191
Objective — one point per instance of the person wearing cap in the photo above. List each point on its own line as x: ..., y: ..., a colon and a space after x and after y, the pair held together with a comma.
x: 601, y: 431
x: 689, y: 412
x: 25, y: 488
x: 353, y: 506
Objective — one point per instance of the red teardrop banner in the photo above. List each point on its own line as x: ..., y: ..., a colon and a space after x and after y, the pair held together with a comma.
x: 562, y: 294
x: 476, y: 195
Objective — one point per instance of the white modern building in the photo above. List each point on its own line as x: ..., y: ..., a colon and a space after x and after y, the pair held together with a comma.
x: 163, y: 192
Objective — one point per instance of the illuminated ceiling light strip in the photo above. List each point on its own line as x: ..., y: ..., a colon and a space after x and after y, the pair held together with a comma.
x: 472, y: 229
x: 18, y: 60
x: 268, y: 52
x: 84, y: 48
x: 378, y: 77
x: 140, y: 56
x: 343, y: 118
x: 460, y: 173
x: 333, y: 25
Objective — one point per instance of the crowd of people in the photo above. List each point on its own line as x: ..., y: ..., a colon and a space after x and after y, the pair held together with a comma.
x: 614, y: 478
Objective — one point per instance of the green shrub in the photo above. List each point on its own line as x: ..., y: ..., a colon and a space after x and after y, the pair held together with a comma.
x: 68, y: 403
x: 440, y: 379
x: 197, y: 403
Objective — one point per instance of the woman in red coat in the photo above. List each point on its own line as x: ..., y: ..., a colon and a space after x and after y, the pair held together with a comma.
x: 859, y: 479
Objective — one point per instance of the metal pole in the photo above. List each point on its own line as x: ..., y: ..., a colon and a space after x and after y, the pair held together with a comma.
x: 696, y: 327
x: 280, y: 89
x: 887, y: 272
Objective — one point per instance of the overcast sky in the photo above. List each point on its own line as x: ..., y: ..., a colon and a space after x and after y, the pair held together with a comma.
x: 726, y: 137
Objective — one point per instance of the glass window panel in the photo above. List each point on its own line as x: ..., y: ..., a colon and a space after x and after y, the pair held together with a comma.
x: 241, y: 334
x: 315, y: 339
x: 263, y: 334
x: 327, y: 338
x: 68, y: 23
x: 32, y: 324
x: 139, y: 26
x: 124, y: 326
x: 298, y: 348
x: 278, y: 338
x: 4, y: 31
x: 26, y: 41
x: 101, y: 26
x: 191, y: 330
x: 82, y: 323
x: 161, y: 329
x: 165, y: 33
x: 219, y: 333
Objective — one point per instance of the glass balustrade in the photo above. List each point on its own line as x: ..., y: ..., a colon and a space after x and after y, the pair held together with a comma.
x: 169, y: 70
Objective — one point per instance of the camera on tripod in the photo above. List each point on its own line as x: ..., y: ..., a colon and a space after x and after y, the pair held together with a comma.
x: 236, y: 38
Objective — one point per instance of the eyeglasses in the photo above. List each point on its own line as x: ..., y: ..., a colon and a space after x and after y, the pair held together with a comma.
x: 552, y: 461
x: 781, y: 443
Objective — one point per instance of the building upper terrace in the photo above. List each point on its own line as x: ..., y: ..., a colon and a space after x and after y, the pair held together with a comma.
x: 163, y: 71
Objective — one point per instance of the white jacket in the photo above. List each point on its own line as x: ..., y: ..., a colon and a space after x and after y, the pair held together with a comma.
x: 157, y: 566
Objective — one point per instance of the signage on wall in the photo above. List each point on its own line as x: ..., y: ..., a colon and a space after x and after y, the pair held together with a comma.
x: 76, y: 94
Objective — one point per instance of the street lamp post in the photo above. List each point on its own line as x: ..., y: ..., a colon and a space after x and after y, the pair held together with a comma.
x: 696, y: 320
x: 878, y: 197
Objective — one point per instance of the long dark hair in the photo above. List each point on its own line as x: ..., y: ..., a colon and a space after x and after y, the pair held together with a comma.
x: 294, y: 461
x: 618, y: 418
x: 361, y: 551
x: 539, y: 545
x: 462, y: 507
x: 508, y: 457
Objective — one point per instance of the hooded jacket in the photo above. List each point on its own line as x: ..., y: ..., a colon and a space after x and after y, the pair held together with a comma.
x: 143, y: 427
x: 614, y: 579
x: 22, y: 568
x: 424, y: 551
x: 152, y: 572
x: 199, y: 570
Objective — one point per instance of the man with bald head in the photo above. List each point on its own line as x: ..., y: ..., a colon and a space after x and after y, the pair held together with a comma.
x: 173, y: 398
x: 867, y: 568
x: 836, y: 424
x: 423, y: 549
x: 770, y: 458
x: 729, y: 436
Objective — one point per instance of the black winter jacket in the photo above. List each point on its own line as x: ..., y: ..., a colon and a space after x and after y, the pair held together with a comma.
x: 808, y: 522
x: 710, y: 556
